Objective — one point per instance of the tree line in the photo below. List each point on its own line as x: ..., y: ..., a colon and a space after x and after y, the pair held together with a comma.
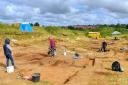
x: 104, y: 25
x: 35, y: 24
x: 98, y: 25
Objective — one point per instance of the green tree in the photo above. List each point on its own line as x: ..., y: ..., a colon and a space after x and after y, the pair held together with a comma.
x: 36, y: 24
x: 127, y: 26
x: 31, y: 24
x: 71, y: 27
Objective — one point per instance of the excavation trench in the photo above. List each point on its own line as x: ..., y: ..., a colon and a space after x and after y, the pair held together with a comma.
x: 73, y: 75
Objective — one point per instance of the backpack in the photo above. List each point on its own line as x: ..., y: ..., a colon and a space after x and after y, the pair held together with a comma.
x: 116, y: 66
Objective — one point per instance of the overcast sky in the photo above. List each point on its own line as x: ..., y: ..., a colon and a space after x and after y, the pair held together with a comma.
x: 64, y: 12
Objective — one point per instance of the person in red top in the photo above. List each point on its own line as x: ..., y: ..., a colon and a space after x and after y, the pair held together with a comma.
x: 52, y: 47
x: 52, y: 42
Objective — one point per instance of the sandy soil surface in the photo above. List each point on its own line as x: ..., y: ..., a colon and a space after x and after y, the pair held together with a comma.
x: 64, y: 70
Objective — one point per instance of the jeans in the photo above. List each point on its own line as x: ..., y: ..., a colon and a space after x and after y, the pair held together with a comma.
x: 9, y: 57
x: 52, y: 52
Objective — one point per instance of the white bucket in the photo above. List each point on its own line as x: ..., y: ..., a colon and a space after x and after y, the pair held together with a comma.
x: 10, y: 69
x: 65, y: 53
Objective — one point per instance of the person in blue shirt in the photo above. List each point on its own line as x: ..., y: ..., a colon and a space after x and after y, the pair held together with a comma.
x: 8, y: 52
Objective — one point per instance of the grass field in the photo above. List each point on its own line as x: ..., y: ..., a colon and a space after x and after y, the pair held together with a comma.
x: 13, y: 32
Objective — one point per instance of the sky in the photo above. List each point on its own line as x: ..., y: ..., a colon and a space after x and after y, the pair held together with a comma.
x: 64, y: 12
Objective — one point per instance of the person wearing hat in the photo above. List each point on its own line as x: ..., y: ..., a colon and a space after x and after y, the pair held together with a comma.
x: 8, y: 52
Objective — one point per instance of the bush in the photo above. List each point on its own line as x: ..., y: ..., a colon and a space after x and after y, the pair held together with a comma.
x: 36, y: 24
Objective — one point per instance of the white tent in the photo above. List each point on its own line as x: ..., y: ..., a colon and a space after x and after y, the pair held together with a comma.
x: 116, y: 33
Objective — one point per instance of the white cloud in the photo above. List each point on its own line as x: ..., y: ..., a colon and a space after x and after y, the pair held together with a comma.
x: 64, y: 12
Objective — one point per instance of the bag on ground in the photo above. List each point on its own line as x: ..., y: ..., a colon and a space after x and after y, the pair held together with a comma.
x: 116, y: 66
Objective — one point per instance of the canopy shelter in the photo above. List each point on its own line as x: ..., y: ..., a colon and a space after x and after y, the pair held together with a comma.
x: 25, y: 27
x: 116, y: 33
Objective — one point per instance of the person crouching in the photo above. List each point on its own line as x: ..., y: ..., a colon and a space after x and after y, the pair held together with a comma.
x: 104, y: 46
x: 8, y: 52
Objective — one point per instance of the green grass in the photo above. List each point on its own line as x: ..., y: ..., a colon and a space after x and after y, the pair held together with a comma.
x: 107, y: 31
x: 13, y: 32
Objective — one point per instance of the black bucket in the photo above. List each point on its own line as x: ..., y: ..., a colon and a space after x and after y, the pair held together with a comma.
x: 36, y: 77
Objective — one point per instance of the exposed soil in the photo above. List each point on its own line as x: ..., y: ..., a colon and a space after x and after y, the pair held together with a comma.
x: 64, y: 70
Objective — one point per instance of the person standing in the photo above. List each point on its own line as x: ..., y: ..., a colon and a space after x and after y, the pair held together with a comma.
x: 52, y: 43
x: 8, y: 52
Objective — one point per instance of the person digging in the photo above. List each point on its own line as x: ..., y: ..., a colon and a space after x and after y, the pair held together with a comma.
x: 104, y: 46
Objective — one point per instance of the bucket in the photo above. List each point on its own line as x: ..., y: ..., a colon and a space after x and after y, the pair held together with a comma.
x: 10, y: 69
x: 36, y: 77
x: 65, y: 53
